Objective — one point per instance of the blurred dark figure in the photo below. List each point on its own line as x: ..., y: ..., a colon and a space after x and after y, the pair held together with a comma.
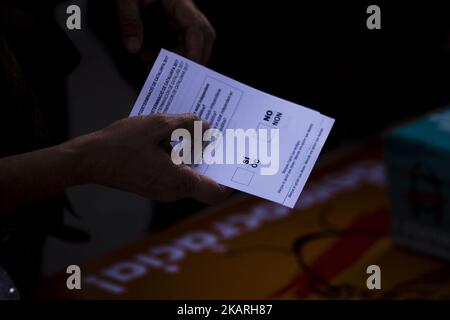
x: 316, y: 53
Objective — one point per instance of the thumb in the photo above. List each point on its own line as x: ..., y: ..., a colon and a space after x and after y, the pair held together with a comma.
x: 130, y: 23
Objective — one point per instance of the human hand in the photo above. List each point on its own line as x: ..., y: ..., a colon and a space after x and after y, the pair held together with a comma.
x: 132, y: 155
x: 195, y: 35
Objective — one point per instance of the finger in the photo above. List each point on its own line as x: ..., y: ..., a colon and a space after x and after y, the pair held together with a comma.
x: 130, y: 22
x: 197, y: 147
x: 201, y: 187
x: 198, y: 42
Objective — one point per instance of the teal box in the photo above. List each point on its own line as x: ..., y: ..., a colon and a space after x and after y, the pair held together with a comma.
x: 417, y: 157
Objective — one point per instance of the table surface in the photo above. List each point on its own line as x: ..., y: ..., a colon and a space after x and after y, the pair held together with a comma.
x: 249, y: 248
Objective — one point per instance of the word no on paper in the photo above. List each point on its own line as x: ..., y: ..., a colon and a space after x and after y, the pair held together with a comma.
x: 176, y: 85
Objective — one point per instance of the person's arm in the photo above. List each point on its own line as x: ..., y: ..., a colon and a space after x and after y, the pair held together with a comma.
x: 129, y: 155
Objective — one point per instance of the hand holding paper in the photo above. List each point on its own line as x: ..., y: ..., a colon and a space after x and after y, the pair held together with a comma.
x: 294, y: 133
